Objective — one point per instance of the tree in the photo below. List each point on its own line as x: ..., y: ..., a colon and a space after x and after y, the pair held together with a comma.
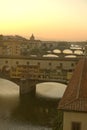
x: 58, y: 122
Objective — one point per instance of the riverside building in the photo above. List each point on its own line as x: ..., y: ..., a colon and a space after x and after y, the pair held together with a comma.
x: 74, y: 101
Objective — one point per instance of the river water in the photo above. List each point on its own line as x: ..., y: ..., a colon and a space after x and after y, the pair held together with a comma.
x: 25, y: 113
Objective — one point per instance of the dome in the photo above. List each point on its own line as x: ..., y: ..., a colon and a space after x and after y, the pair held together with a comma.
x: 32, y: 37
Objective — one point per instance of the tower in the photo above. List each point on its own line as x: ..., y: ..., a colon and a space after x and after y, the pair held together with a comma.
x: 32, y: 38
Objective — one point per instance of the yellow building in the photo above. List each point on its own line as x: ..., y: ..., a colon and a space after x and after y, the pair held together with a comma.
x: 1, y: 50
x: 12, y: 48
x: 74, y: 101
x: 25, y: 71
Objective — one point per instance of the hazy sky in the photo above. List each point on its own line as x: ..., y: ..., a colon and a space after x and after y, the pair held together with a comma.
x: 46, y: 19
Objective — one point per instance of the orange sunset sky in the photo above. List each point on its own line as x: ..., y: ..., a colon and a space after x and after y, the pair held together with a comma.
x: 46, y: 19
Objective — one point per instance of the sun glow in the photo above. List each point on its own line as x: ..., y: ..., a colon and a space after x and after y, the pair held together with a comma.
x: 49, y: 19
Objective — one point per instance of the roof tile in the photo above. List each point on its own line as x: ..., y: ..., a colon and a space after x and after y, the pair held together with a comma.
x: 75, y: 96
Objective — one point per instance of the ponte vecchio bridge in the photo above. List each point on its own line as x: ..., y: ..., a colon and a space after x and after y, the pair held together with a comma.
x: 27, y: 72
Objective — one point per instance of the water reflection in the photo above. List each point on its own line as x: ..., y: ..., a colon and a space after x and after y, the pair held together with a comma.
x: 36, y: 111
x: 8, y: 88
x: 8, y: 104
x: 26, y: 112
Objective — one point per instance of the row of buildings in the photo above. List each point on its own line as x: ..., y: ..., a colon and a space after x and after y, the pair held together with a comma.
x: 74, y: 101
x: 16, y: 45
x: 19, y: 46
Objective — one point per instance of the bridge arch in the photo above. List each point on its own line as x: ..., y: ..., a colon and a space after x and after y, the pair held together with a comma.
x: 52, y: 90
x: 8, y: 88
x: 27, y: 86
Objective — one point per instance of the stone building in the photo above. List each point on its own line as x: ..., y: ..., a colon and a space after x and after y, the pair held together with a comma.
x: 52, y: 68
x: 25, y: 71
x: 74, y: 101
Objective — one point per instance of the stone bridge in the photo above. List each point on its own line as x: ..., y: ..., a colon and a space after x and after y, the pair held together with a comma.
x: 27, y: 86
x: 27, y: 72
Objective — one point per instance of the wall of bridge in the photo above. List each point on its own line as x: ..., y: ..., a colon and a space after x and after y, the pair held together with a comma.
x: 48, y: 69
x: 27, y: 86
x: 42, y: 62
x: 51, y: 68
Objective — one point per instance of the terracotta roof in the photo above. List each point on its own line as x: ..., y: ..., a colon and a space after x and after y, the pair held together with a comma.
x: 75, y: 96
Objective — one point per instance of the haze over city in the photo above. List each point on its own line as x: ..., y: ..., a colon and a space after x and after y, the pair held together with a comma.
x: 46, y: 19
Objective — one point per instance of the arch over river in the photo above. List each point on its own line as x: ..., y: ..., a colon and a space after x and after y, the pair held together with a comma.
x: 28, y: 85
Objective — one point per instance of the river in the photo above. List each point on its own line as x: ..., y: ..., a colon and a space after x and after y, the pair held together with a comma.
x: 25, y: 113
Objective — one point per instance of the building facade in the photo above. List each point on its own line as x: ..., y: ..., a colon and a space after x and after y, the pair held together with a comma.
x: 50, y: 68
x: 74, y: 101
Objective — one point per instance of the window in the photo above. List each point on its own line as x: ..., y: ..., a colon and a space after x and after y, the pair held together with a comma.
x: 50, y: 63
x: 72, y: 64
x: 17, y: 62
x: 38, y: 63
x: 27, y: 62
x: 6, y: 62
x: 61, y: 64
x: 76, y: 126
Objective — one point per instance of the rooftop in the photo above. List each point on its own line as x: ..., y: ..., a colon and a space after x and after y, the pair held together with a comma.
x: 75, y: 96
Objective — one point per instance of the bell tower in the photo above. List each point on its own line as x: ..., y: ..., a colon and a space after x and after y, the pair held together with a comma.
x: 32, y: 38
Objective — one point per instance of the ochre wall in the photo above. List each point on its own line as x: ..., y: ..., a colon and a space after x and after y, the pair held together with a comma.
x: 70, y: 117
